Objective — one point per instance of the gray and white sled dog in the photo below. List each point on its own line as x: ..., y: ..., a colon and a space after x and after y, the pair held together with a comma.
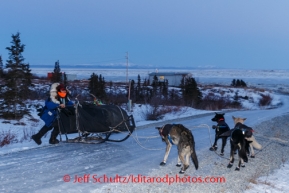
x: 251, y: 139
x: 177, y: 134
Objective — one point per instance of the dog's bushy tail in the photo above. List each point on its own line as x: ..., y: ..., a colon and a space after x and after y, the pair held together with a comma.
x: 255, y: 144
x: 195, y: 159
x: 188, y: 134
x: 193, y: 152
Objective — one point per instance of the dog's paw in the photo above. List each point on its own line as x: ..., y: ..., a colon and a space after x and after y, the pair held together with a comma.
x: 252, y: 156
x: 242, y: 165
x: 163, y: 163
x: 182, y: 172
x: 221, y: 154
x: 179, y: 165
x: 237, y: 169
x: 230, y: 165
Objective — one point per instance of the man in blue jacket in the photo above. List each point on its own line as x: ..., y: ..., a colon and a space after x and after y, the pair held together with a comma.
x: 52, y: 104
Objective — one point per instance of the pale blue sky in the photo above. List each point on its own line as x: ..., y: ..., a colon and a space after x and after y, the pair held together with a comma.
x: 251, y: 34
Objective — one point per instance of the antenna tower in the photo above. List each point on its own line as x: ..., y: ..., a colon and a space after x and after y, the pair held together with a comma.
x: 126, y: 67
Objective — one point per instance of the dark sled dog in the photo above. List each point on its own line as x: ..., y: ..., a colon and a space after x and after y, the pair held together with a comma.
x: 251, y: 141
x: 220, y: 128
x: 238, y: 143
x: 177, y: 134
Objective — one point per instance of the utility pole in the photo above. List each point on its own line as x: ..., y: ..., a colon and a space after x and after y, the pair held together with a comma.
x: 126, y: 67
x: 128, y: 82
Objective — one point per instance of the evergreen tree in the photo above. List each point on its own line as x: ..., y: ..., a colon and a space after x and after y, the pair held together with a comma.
x: 238, y: 83
x: 93, y: 83
x: 155, y: 81
x: 155, y: 84
x: 17, y: 82
x: 1, y: 67
x: 146, y: 83
x: 57, y: 75
x: 132, y: 89
x: 182, y: 85
x: 243, y: 84
x: 165, y: 88
x: 197, y: 96
x: 233, y: 82
x: 138, y: 82
x: 101, y: 88
x: 191, y: 93
x: 138, y: 90
x: 96, y: 86
x: 160, y: 86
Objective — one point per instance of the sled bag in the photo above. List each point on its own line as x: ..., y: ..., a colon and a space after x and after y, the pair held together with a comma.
x: 95, y: 119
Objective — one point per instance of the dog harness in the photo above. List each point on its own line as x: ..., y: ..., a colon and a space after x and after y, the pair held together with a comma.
x: 222, y: 125
x: 244, y: 128
x: 170, y: 139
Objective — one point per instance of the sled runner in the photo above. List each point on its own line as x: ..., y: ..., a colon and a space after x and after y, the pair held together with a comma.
x: 95, y: 124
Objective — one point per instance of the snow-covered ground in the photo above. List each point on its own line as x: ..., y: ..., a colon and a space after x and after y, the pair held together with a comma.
x: 276, y: 182
x: 26, y: 167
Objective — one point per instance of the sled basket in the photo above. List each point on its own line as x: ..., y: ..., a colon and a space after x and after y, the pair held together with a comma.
x: 90, y: 118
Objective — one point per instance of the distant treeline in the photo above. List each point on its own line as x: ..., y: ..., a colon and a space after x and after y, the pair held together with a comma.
x: 238, y: 83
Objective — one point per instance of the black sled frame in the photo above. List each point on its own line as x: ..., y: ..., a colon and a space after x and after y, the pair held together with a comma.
x: 95, y: 124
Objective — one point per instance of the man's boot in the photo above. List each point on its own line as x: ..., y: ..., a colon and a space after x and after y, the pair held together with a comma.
x: 54, y: 134
x: 213, y: 148
x: 37, y: 137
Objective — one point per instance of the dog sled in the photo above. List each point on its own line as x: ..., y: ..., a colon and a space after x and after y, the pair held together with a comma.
x: 95, y: 123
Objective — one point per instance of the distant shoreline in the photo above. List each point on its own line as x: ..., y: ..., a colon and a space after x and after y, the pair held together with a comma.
x: 151, y: 68
x: 260, y: 78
